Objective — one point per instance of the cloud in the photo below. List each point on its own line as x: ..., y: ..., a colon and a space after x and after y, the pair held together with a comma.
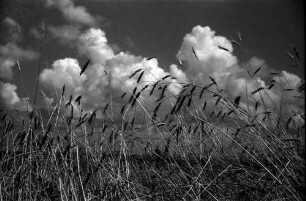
x: 63, y: 72
x: 65, y: 33
x: 288, y: 80
x: 214, y: 58
x: 212, y: 61
x: 6, y: 68
x: 287, y: 91
x: 11, y: 99
x: 93, y: 84
x: 93, y: 44
x: 106, y: 75
x: 178, y: 73
x: 11, y: 50
x: 124, y: 64
x: 9, y: 95
x: 10, y: 54
x: 74, y: 14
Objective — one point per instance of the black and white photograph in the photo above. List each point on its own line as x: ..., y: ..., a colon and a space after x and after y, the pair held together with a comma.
x: 152, y: 100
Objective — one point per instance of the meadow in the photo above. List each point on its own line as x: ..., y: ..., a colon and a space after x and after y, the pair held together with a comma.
x: 200, y: 145
x: 152, y: 100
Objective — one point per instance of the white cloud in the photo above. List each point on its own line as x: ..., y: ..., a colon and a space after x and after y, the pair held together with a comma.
x: 94, y: 85
x: 230, y: 76
x: 108, y: 73
x: 9, y: 94
x: 6, y: 68
x: 10, y: 54
x: 91, y: 85
x: 124, y: 64
x: 178, y: 73
x: 11, y: 50
x: 11, y: 99
x: 75, y: 14
x: 63, y: 72
x: 93, y: 44
x: 288, y: 80
x: 212, y: 61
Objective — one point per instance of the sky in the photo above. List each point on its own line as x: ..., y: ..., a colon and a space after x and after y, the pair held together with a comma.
x: 51, y: 40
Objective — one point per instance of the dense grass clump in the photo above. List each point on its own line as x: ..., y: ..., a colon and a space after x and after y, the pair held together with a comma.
x: 181, y: 151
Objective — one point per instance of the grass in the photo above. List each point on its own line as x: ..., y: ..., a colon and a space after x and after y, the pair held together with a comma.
x: 181, y: 151
x: 191, y: 158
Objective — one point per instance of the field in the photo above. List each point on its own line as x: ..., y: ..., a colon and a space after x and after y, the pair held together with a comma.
x: 182, y: 151
x: 152, y: 100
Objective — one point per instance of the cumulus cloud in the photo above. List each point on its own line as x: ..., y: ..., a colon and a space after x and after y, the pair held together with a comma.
x: 108, y: 74
x: 178, y: 74
x: 10, y: 54
x: 9, y: 95
x: 287, y: 90
x: 208, y: 59
x: 11, y: 99
x: 204, y: 55
x: 92, y: 85
x: 74, y: 14
x: 6, y: 68
x: 93, y: 44
x: 63, y: 72
x: 288, y: 80
x: 124, y: 64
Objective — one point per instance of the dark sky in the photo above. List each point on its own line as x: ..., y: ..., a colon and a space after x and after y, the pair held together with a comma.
x: 269, y: 29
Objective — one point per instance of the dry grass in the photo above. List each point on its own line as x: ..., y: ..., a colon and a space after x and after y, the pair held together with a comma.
x: 187, y: 153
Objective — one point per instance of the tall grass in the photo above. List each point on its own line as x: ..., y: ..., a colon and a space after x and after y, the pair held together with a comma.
x: 189, y: 152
